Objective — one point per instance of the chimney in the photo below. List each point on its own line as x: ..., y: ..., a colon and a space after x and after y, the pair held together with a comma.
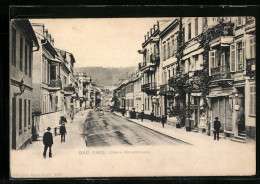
x: 49, y: 37
x: 52, y: 42
x: 144, y: 37
x: 45, y: 32
x: 147, y: 34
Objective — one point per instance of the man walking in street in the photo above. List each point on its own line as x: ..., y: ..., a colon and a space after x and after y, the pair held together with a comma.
x: 152, y: 116
x: 142, y: 115
x: 47, y: 141
x: 63, y: 132
x: 217, y: 126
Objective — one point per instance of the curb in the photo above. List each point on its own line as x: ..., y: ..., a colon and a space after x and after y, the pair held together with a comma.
x: 168, y: 136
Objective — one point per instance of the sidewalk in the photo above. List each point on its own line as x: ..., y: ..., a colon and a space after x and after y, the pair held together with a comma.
x: 73, y: 137
x: 194, y: 138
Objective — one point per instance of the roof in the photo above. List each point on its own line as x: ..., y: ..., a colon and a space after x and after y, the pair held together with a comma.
x: 26, y: 27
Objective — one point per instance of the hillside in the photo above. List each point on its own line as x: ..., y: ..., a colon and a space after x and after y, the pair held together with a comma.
x: 106, y: 76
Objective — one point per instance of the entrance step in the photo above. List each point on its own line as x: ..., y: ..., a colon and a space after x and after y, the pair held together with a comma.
x: 239, y: 139
x: 242, y: 134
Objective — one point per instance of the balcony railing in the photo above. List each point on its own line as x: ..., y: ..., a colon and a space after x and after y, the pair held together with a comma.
x: 141, y: 65
x: 154, y: 58
x: 220, y: 72
x: 149, y: 87
x: 166, y: 89
x: 55, y: 83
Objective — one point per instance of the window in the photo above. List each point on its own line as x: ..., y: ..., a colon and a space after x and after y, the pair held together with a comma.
x: 211, y: 60
x: 145, y: 104
x: 25, y: 64
x: 148, y: 103
x: 30, y: 61
x: 240, y: 55
x: 252, y: 47
x: 232, y: 58
x: 168, y: 46
x: 20, y: 115
x: 196, y: 62
x: 13, y: 46
x: 29, y: 113
x: 164, y: 52
x: 196, y: 27
x: 25, y: 120
x: 21, y: 53
x: 189, y: 31
x: 148, y: 56
x: 173, y: 46
x: 183, y: 35
x: 252, y: 110
x: 239, y: 21
x: 169, y: 74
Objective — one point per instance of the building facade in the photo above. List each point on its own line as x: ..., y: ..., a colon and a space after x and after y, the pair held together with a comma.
x: 196, y: 69
x: 23, y: 43
x: 55, y: 90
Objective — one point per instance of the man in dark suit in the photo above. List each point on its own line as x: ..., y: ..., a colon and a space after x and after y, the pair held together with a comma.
x: 47, y: 141
x: 217, y: 126
x: 63, y: 132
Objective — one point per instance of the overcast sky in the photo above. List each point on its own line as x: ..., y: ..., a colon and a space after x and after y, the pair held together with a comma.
x: 100, y: 42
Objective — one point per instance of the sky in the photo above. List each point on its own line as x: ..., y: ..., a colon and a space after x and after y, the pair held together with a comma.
x: 106, y: 42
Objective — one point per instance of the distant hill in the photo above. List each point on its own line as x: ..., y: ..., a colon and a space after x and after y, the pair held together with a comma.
x: 106, y: 76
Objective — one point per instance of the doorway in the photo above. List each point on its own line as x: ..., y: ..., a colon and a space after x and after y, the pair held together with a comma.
x: 13, y: 123
x: 240, y: 100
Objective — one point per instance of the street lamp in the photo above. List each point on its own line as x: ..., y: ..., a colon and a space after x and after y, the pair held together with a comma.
x: 21, y: 87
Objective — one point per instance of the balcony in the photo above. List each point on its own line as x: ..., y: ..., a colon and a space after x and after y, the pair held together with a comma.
x: 155, y: 58
x: 141, y: 65
x: 55, y: 85
x: 166, y: 89
x: 220, y: 72
x: 149, y: 88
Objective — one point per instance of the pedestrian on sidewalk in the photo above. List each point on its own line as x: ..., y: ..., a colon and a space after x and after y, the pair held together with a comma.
x: 123, y: 112
x: 71, y: 116
x: 48, y: 142
x: 142, y: 115
x: 163, y: 120
x: 217, y: 126
x: 152, y: 116
x: 63, y: 132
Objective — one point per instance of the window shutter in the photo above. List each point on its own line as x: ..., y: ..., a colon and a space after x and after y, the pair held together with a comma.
x: 243, y: 54
x: 232, y: 58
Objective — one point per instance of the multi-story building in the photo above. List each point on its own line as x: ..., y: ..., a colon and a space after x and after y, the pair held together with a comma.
x: 47, y: 103
x: 205, y: 69
x: 150, y: 69
x: 168, y: 64
x: 216, y: 62
x: 52, y: 82
x: 23, y: 43
x: 232, y: 76
x: 84, y: 83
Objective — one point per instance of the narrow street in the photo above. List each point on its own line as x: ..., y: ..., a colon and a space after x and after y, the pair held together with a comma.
x: 111, y: 130
x: 125, y: 147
